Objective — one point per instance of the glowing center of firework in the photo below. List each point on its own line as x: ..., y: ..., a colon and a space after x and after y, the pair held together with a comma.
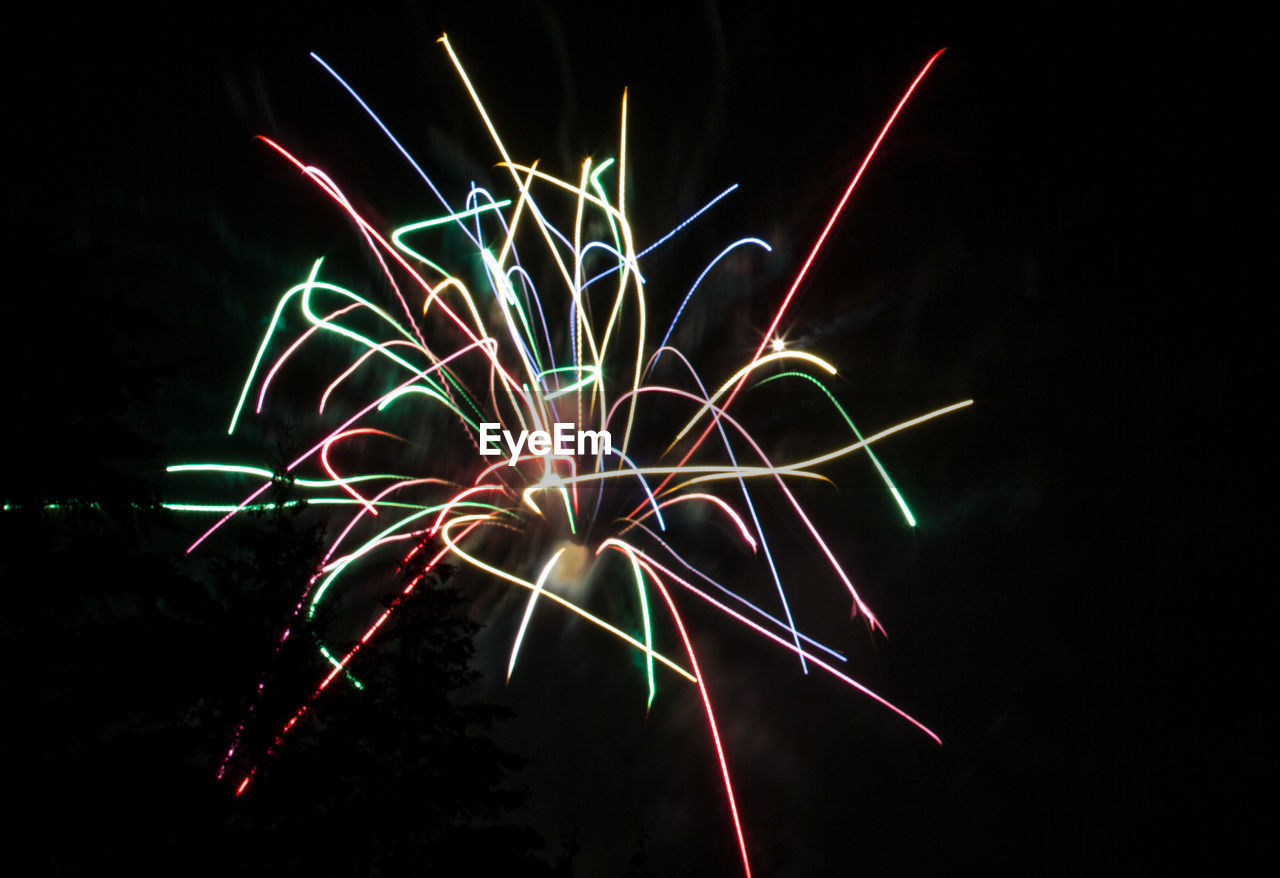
x: 573, y: 567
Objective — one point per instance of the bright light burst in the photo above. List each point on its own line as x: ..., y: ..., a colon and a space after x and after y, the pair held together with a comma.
x: 544, y: 321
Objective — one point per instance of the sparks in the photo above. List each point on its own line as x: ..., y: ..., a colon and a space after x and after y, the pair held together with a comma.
x: 459, y: 345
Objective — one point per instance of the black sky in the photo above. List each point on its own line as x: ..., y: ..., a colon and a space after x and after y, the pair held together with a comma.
x: 1040, y: 233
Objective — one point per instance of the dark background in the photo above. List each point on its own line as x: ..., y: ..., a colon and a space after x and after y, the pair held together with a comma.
x: 1050, y: 229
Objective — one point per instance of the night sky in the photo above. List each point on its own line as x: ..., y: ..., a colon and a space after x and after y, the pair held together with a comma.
x: 1073, y: 615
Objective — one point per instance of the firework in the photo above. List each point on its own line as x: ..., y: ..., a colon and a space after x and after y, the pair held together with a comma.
x: 576, y: 429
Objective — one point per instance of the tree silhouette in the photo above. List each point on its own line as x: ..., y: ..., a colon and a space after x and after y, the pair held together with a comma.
x: 391, y: 770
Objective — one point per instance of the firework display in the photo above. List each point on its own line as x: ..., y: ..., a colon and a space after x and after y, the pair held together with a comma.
x: 545, y: 429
